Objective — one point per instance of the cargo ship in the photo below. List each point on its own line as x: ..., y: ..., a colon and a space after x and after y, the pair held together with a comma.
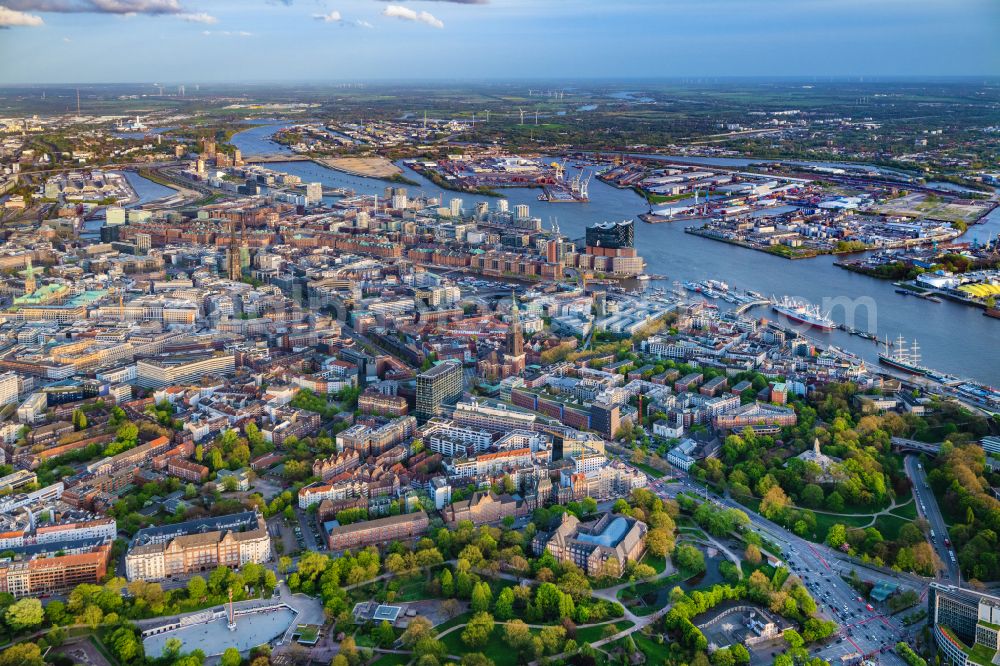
x: 803, y: 313
x: 903, y: 358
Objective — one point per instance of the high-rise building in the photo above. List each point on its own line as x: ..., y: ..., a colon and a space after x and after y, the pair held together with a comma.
x: 238, y: 158
x: 966, y: 624
x: 605, y: 418
x: 314, y: 193
x: 552, y: 251
x: 455, y: 206
x: 502, y: 205
x: 521, y: 212
x: 439, y: 386
x: 482, y: 209
x: 9, y: 386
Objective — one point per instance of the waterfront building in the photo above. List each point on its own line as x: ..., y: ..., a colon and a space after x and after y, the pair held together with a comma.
x: 314, y: 193
x: 611, y: 235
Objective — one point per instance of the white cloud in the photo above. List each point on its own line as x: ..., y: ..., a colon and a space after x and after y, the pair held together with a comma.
x: 99, y: 6
x: 67, y: 40
x: 407, y: 14
x: 227, y: 33
x: 363, y: 24
x: 332, y: 17
x: 200, y: 17
x: 10, y: 18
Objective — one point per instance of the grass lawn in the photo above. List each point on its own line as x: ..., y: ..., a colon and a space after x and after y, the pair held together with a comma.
x: 498, y: 584
x: 461, y: 618
x: 596, y: 633
x: 652, y: 471
x: 392, y: 660
x: 907, y: 510
x: 825, y: 521
x: 307, y: 633
x: 496, y: 648
x: 889, y: 525
x: 695, y: 532
x: 981, y: 654
x: 658, y: 563
x: 411, y: 588
x: 655, y: 653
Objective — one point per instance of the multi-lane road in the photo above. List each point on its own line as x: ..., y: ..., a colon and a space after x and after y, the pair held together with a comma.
x: 928, y: 509
x: 863, y: 631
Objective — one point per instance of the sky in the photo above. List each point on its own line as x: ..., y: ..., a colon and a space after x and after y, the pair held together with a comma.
x: 192, y: 41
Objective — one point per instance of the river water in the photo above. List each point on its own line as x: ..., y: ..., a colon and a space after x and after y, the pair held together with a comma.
x: 953, y: 338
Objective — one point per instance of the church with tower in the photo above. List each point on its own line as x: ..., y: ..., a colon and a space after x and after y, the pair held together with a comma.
x: 512, y: 361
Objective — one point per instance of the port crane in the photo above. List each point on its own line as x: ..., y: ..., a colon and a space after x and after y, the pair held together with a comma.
x: 560, y: 170
x: 579, y: 184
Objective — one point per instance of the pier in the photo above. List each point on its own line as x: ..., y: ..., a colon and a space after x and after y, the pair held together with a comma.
x: 752, y: 304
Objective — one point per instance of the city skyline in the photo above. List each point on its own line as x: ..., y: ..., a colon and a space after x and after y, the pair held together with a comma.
x: 303, y: 40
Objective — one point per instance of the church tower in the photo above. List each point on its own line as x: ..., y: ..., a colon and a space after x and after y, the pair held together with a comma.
x: 515, y: 334
x: 30, y: 284
x: 233, y: 256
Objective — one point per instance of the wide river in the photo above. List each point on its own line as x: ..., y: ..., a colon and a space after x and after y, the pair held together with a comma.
x: 953, y: 338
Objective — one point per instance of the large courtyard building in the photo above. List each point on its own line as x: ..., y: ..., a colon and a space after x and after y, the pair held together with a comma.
x: 54, y: 567
x: 599, y: 548
x: 197, y: 546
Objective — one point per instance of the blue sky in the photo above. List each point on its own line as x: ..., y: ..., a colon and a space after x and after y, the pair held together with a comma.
x: 68, y: 41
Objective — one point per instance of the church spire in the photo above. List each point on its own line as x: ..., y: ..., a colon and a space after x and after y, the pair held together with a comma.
x: 29, y: 282
x: 515, y: 334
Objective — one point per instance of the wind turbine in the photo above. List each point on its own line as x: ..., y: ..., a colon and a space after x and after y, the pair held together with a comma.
x: 522, y: 114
